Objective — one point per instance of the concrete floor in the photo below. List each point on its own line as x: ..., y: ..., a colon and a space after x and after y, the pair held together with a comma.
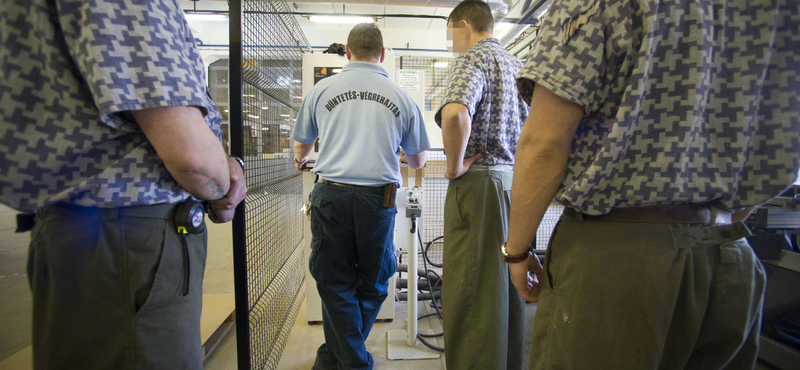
x: 302, y: 345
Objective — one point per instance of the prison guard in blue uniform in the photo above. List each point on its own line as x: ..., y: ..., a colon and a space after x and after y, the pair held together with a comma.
x: 362, y: 119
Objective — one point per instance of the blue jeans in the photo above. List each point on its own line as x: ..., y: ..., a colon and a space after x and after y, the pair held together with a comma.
x: 352, y: 259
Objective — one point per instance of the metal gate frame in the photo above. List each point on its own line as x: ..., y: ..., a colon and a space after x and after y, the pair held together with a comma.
x: 268, y: 289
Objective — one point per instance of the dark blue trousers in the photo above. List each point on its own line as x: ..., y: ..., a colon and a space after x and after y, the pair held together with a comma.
x: 352, y: 259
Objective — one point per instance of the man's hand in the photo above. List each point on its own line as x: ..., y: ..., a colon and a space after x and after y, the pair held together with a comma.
x: 222, y: 210
x: 463, y: 167
x: 299, y: 165
x: 301, y: 151
x: 403, y: 158
x: 528, y: 286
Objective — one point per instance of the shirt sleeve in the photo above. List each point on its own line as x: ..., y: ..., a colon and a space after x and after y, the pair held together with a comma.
x: 305, y: 127
x: 466, y: 84
x: 569, y: 56
x: 415, y: 139
x: 134, y: 55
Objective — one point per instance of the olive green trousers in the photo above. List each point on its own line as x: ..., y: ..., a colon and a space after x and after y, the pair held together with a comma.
x: 108, y: 289
x: 484, y: 316
x: 648, y: 296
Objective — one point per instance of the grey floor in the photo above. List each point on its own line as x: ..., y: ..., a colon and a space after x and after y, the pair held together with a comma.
x: 301, y: 347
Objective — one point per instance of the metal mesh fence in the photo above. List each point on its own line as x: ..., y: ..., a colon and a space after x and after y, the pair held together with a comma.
x: 434, y: 190
x: 265, y: 93
x: 435, y: 76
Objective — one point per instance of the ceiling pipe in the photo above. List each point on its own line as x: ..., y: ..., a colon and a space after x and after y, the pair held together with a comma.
x: 528, y: 16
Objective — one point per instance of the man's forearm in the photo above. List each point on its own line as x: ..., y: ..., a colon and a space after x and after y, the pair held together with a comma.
x: 538, y: 173
x: 189, y: 149
x: 301, y: 151
x: 211, y: 183
x: 456, y: 127
x: 540, y: 164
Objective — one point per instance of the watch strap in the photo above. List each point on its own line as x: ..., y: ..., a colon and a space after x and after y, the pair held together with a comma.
x: 241, y: 162
x: 516, y: 258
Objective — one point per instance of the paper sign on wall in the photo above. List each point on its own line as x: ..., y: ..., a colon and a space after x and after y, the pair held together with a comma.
x: 409, y: 80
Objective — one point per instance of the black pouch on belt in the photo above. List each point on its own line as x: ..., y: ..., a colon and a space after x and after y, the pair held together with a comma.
x: 25, y: 222
x: 389, y: 195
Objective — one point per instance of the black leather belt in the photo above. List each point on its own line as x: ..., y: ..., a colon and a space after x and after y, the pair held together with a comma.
x: 370, y: 189
x: 672, y: 214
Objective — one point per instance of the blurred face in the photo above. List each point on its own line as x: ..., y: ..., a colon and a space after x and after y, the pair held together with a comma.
x: 458, y: 37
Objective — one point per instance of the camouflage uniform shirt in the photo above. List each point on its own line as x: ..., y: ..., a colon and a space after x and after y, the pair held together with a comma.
x: 69, y: 75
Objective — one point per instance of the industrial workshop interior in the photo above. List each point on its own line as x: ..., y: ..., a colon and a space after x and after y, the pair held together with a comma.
x: 260, y: 304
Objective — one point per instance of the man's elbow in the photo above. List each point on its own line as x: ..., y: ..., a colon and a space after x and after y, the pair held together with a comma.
x: 187, y: 164
x: 416, y: 161
x: 454, y: 114
x: 542, y: 148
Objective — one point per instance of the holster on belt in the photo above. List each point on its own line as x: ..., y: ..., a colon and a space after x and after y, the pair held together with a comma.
x: 25, y: 222
x: 389, y: 195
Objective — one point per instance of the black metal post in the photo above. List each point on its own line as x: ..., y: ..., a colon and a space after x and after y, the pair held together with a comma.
x: 235, y: 63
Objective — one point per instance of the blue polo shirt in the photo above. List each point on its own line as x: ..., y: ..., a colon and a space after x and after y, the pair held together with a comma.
x: 362, y: 119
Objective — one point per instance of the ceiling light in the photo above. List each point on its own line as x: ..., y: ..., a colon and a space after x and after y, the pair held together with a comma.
x: 501, y: 29
x: 440, y: 65
x: 264, y: 108
x: 285, y: 115
x: 340, y: 19
x: 252, y: 116
x: 205, y: 17
x: 298, y: 97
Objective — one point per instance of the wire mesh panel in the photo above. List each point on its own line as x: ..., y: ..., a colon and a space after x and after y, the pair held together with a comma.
x: 434, y: 190
x: 265, y: 93
x: 435, y: 76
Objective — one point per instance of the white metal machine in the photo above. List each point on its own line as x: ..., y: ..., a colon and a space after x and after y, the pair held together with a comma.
x: 403, y: 344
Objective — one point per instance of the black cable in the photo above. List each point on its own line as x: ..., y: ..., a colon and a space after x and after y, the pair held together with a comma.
x: 432, y: 289
x: 428, y: 248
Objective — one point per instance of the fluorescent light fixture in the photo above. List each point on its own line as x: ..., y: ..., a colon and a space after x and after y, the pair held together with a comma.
x: 249, y: 96
x: 226, y: 111
x: 252, y: 116
x: 296, y: 81
x: 340, y: 19
x: 285, y: 115
x: 440, y: 65
x: 264, y: 108
x: 501, y: 29
x: 336, y: 70
x: 298, y: 97
x: 206, y: 17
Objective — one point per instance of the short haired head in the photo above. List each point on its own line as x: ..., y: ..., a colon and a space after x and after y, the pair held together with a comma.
x: 365, y: 42
x: 477, y: 13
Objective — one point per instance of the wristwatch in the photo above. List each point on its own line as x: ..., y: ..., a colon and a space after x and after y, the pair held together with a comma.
x: 517, y: 257
x: 241, y: 162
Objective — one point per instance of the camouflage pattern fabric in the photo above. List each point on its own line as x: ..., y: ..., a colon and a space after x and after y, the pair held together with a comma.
x: 69, y: 73
x: 685, y: 101
x: 484, y: 81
